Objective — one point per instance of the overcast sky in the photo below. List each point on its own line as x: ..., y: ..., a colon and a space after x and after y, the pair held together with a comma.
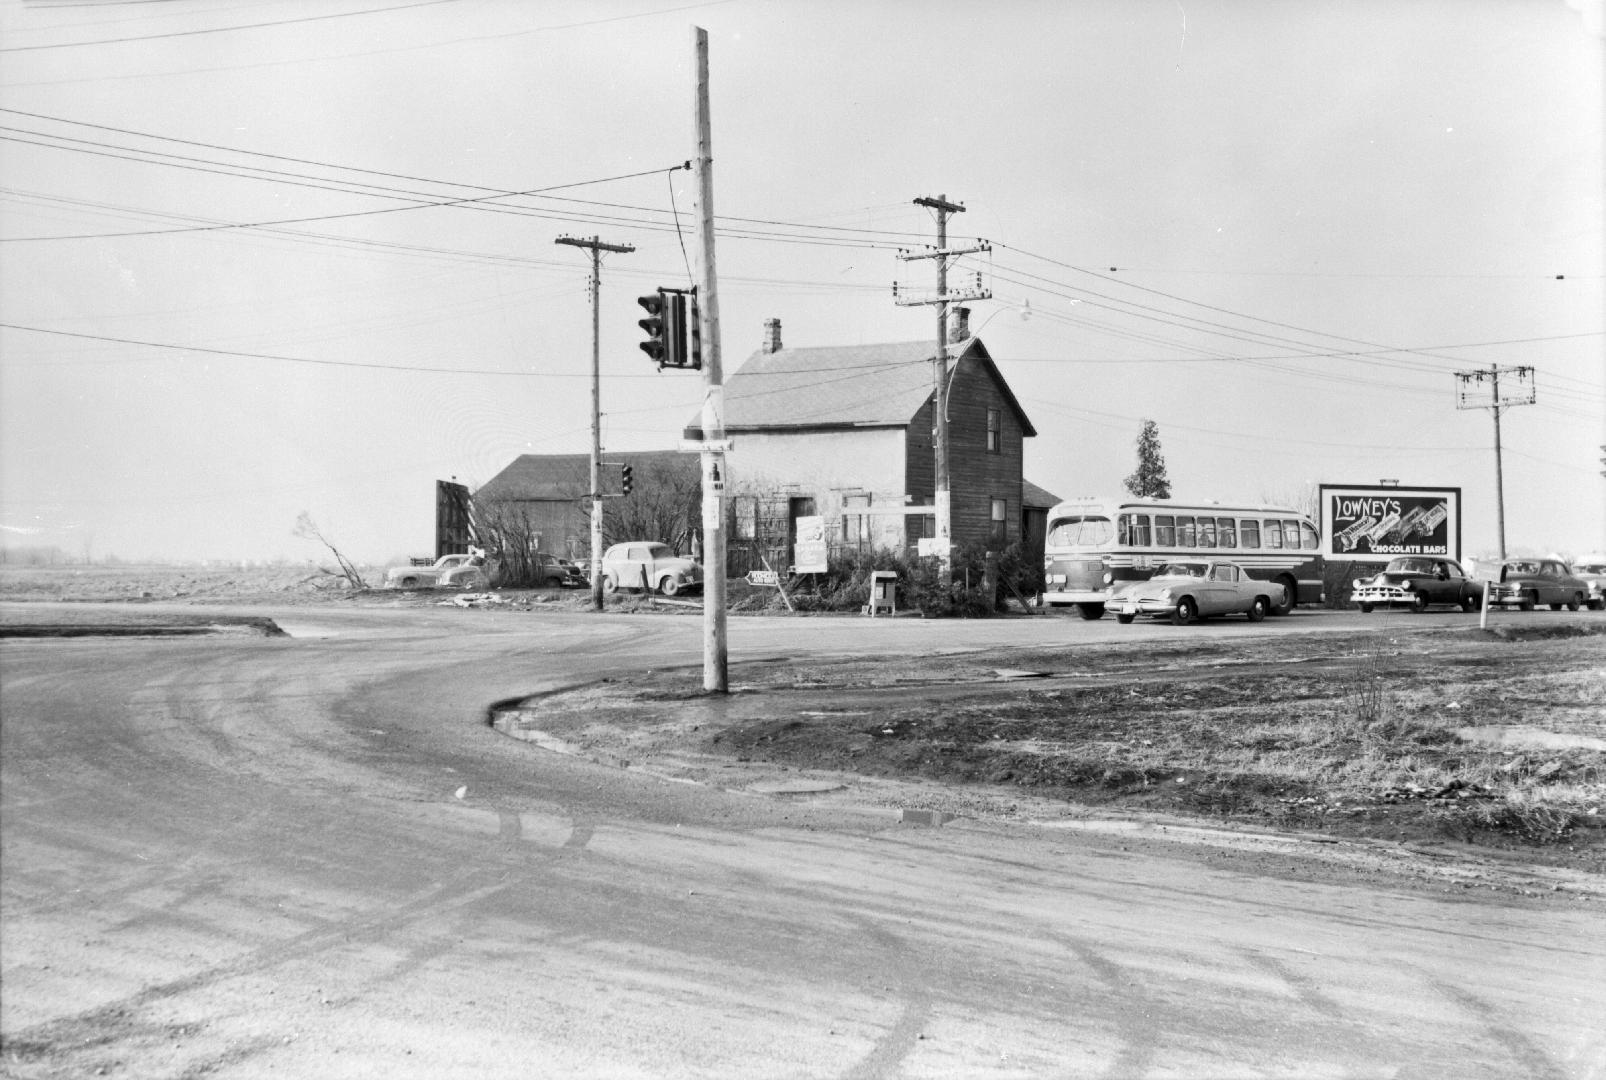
x: 241, y: 279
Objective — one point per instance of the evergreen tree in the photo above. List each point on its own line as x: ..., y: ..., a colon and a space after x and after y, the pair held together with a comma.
x: 1149, y: 482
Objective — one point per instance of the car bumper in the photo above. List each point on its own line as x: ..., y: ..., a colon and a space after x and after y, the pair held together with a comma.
x: 1382, y: 595
x: 1126, y: 605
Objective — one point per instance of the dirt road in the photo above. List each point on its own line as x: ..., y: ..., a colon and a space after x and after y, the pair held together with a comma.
x: 313, y: 857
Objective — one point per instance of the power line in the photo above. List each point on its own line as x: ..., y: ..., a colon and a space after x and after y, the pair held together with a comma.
x: 221, y: 29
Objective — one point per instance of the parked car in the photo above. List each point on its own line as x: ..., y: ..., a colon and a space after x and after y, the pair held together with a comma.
x: 1531, y: 582
x: 1418, y: 581
x: 1186, y: 591
x: 1591, y: 570
x: 649, y: 565
x: 455, y: 570
x: 575, y: 576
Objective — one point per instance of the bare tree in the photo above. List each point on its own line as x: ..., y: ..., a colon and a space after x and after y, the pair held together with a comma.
x: 1306, y: 498
x: 307, y: 529
x: 666, y: 505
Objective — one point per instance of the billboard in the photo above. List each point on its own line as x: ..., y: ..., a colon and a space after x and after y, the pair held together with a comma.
x: 1374, y: 523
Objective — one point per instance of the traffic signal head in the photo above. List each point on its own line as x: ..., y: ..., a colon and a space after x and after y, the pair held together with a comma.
x: 656, y: 324
x: 694, y: 336
x: 626, y: 479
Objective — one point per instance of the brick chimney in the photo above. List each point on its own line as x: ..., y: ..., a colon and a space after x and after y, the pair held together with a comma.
x: 772, y: 335
x: 958, y: 325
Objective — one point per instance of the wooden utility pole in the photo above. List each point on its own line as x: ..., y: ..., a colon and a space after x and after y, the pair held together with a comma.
x: 596, y: 247
x: 1469, y: 395
x: 943, y: 495
x: 715, y: 477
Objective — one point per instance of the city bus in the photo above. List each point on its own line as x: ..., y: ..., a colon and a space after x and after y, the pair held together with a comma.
x: 1095, y: 546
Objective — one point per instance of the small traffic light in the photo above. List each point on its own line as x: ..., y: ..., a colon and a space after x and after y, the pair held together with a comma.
x: 626, y: 479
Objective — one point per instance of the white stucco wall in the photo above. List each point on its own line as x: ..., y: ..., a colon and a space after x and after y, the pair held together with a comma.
x: 826, y: 466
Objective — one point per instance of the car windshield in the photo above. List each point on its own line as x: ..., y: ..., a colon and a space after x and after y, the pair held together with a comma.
x: 1592, y: 568
x: 1183, y: 569
x: 1522, y: 568
x: 1410, y: 566
x: 659, y: 551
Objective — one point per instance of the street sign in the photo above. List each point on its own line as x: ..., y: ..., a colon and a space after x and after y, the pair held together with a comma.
x: 764, y: 577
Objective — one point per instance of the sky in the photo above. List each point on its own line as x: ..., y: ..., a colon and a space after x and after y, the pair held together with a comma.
x: 282, y: 256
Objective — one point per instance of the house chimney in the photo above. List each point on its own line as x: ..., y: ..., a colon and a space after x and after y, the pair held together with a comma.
x: 958, y: 325
x: 772, y: 335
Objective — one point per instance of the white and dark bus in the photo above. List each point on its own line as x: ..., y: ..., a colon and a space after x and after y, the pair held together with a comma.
x: 1095, y: 545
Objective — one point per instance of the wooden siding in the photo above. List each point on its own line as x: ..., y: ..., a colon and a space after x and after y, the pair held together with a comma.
x: 975, y: 476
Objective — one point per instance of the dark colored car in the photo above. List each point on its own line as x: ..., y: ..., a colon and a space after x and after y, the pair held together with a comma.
x: 1531, y: 582
x: 1418, y: 582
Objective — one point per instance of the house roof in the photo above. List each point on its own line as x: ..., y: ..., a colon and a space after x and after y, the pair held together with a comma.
x: 844, y: 386
x: 566, y: 477
x: 1036, y: 497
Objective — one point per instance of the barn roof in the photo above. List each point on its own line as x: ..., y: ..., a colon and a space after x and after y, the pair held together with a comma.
x: 566, y: 477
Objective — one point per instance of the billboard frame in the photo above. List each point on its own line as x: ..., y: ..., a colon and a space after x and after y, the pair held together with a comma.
x: 1377, y: 502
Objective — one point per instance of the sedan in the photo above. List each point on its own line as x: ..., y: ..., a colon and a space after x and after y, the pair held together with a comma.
x: 459, y: 570
x: 649, y: 565
x: 1418, y: 581
x: 1528, y: 583
x: 1187, y: 591
x: 1591, y: 570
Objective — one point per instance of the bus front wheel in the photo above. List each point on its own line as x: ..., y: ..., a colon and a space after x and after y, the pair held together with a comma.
x: 1290, y: 594
x: 1091, y: 611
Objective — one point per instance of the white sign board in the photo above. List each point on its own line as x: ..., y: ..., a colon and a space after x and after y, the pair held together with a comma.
x: 811, y: 552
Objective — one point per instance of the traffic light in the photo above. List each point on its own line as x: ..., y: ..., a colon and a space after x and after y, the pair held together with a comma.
x: 694, y: 335
x: 626, y: 479
x: 656, y: 326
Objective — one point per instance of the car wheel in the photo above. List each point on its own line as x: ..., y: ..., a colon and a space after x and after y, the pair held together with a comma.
x: 1419, y: 602
x: 1257, y: 610
x: 409, y: 581
x: 1597, y: 605
x: 1527, y: 602
x: 1366, y: 609
x: 1091, y: 611
x: 551, y: 582
x: 1124, y: 619
x: 1557, y: 607
x: 1469, y: 603
x: 610, y: 584
x: 1290, y: 594
x: 1575, y: 603
x: 1187, y: 611
x: 669, y: 586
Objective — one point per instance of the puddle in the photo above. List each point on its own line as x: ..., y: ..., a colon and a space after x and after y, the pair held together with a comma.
x: 1524, y: 737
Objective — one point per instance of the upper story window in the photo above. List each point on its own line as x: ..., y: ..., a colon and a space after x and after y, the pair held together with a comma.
x: 995, y: 431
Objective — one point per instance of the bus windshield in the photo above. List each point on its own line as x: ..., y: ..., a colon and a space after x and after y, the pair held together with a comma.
x: 1081, y: 532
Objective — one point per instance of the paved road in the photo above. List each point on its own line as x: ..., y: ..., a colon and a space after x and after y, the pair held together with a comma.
x: 241, y: 857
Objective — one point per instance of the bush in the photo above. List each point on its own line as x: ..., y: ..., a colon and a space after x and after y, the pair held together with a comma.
x: 845, y: 586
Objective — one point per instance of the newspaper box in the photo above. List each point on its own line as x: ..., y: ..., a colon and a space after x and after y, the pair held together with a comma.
x: 883, y: 592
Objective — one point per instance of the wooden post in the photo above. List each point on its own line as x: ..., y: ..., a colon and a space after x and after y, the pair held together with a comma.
x: 715, y: 475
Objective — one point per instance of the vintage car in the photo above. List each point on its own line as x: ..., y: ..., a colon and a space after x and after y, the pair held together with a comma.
x: 457, y: 571
x: 1591, y: 570
x: 1418, y: 581
x: 1186, y: 591
x: 1528, y: 583
x: 648, y: 565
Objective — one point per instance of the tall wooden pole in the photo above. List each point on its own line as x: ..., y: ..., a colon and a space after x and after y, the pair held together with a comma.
x: 943, y: 495
x: 715, y: 653
x: 597, y: 247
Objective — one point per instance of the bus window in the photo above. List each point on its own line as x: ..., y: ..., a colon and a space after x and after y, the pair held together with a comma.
x: 1080, y: 532
x: 1132, y: 530
x: 1187, y: 532
x: 1226, y: 532
x: 1165, y: 530
x: 1274, y: 534
x: 1308, y: 533
x: 1291, y: 534
x: 1207, y: 532
x: 1248, y: 533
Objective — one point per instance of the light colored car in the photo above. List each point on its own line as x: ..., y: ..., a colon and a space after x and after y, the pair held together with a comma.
x: 456, y: 571
x: 1528, y: 583
x: 1192, y: 590
x: 1591, y: 570
x: 1417, y: 581
x: 649, y: 565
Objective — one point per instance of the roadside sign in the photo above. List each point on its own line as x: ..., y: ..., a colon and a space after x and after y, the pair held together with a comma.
x: 811, y: 552
x: 764, y: 577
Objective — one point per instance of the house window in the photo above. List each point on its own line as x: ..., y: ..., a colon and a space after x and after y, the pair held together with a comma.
x: 995, y: 432
x: 746, y: 511
x: 1000, y: 522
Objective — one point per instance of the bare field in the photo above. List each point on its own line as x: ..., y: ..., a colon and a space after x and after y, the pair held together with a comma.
x: 1498, y: 740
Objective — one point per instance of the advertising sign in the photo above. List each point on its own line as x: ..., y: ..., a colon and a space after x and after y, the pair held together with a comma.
x: 811, y: 551
x: 1374, y: 523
